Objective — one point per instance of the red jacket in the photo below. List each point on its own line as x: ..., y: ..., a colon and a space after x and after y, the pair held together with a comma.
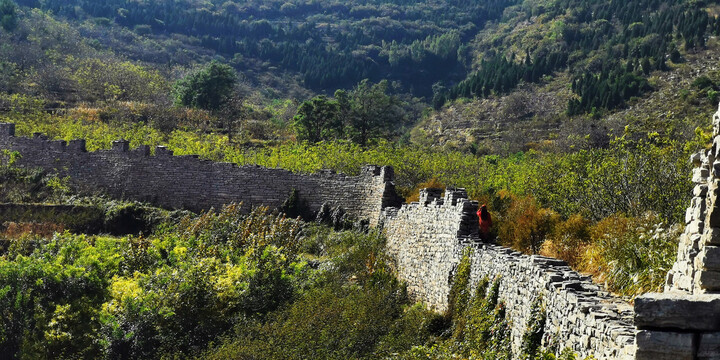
x: 485, y: 220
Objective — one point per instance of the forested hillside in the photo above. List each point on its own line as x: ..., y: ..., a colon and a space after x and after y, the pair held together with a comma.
x: 330, y: 44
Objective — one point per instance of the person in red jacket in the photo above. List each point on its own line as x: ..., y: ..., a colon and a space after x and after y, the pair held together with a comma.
x: 485, y: 222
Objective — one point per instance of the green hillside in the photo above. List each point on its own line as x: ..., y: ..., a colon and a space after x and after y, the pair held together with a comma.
x: 571, y: 119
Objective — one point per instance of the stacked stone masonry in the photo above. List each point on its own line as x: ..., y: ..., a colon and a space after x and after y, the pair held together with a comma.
x: 684, y: 321
x: 191, y: 183
x: 428, y: 239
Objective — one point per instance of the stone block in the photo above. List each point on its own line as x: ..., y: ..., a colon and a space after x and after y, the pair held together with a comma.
x: 709, y: 347
x: 660, y: 345
x: 121, y: 145
x: 58, y: 145
x: 707, y: 280
x: 77, y: 145
x: 689, y: 215
x: 7, y: 129
x: 163, y: 151
x: 716, y: 168
x: 708, y: 258
x: 697, y: 227
x: 700, y: 190
x: 700, y: 175
x: 713, y: 216
x: 713, y: 191
x: 711, y: 237
x: 143, y: 150
x: 678, y: 311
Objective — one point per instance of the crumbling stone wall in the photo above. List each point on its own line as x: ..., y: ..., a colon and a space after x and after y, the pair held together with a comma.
x: 192, y: 183
x: 683, y: 323
x: 427, y: 240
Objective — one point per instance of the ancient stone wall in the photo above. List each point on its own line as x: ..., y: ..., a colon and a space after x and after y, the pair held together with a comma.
x: 424, y: 240
x: 428, y: 239
x: 191, y: 183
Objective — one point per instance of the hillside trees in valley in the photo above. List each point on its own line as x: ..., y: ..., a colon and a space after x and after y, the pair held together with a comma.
x: 207, y: 88
x: 318, y: 119
x: 8, y: 15
x: 331, y: 44
x: 608, y: 55
x: 364, y: 114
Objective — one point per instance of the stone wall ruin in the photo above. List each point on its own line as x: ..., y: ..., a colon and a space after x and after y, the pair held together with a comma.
x: 188, y: 182
x: 428, y: 239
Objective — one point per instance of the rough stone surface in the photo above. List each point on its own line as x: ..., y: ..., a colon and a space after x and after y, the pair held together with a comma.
x: 678, y: 311
x: 709, y: 347
x: 428, y: 238
x: 652, y: 345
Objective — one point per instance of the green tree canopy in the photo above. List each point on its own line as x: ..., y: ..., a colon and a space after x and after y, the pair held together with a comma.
x: 318, y: 119
x: 8, y: 15
x: 371, y: 111
x: 208, y: 88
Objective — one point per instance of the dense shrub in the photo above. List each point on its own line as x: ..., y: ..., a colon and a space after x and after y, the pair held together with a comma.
x: 631, y: 255
x: 568, y: 240
x: 525, y: 224
x: 86, y: 296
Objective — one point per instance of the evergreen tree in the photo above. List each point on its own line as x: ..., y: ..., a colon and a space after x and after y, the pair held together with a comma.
x: 8, y: 15
x: 208, y: 88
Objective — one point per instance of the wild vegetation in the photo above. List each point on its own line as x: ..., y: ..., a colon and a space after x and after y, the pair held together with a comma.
x: 535, y: 196
x: 224, y: 285
x: 571, y: 119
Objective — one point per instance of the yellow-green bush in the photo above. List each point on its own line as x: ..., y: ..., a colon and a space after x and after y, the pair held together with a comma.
x: 631, y: 255
x: 568, y: 240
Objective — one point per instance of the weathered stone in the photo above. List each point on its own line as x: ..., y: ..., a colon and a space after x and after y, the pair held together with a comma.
x: 659, y: 345
x: 711, y: 236
x: 689, y: 215
x: 695, y: 227
x: 707, y: 280
x: 700, y: 175
x: 426, y: 256
x: 713, y: 215
x: 708, y: 258
x: 188, y: 182
x: 709, y: 348
x: 716, y: 168
x: 678, y: 311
